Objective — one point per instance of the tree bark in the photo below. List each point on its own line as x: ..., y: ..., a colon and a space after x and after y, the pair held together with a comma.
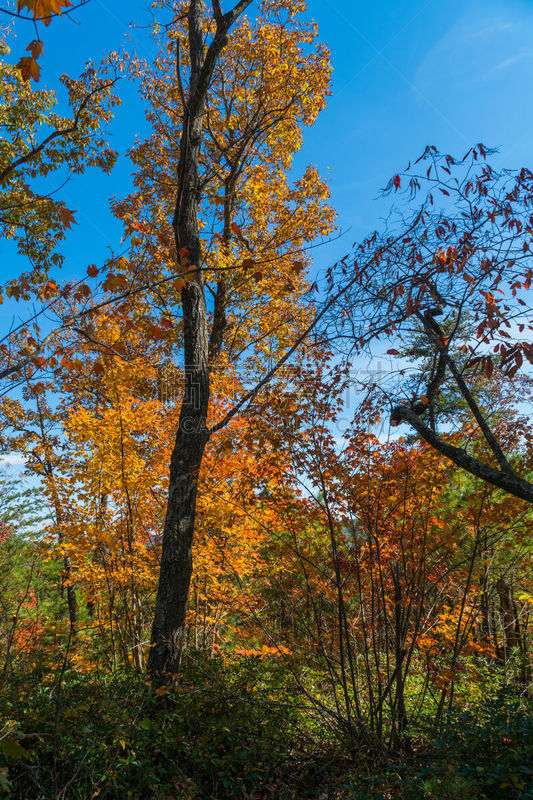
x: 505, y: 480
x: 168, y: 630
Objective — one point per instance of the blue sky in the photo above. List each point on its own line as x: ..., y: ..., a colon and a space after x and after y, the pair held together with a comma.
x: 406, y: 73
x: 413, y: 73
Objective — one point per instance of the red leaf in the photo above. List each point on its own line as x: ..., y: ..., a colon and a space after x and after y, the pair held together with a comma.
x: 392, y: 352
x: 92, y: 270
x: 396, y: 181
x: 184, y: 254
x: 137, y: 226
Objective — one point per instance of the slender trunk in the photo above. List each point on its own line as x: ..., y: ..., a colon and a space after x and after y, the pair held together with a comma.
x: 72, y: 600
x: 66, y: 578
x: 220, y: 321
x: 512, y: 640
x: 399, y: 709
x: 168, y: 631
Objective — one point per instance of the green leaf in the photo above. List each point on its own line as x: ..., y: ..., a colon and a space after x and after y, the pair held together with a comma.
x: 10, y: 747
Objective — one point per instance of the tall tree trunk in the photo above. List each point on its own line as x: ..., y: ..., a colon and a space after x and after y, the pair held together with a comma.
x: 168, y: 630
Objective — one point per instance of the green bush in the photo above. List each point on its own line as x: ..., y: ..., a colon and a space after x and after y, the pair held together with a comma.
x: 481, y: 755
x: 234, y: 730
x: 227, y: 731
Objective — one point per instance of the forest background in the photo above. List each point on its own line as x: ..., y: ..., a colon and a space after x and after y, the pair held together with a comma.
x: 404, y: 76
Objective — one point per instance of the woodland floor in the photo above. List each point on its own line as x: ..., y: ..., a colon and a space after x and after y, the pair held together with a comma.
x: 237, y: 730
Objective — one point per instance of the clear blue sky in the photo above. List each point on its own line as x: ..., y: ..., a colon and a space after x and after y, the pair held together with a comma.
x: 406, y: 73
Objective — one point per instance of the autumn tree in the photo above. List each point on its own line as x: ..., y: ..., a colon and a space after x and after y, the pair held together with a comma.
x: 455, y: 270
x: 37, y: 142
x: 30, y: 428
x: 229, y: 124
x: 118, y: 387
x: 39, y: 145
x: 383, y: 566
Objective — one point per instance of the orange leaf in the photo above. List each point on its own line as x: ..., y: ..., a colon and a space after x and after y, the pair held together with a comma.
x: 114, y: 282
x: 29, y: 68
x: 36, y: 48
x: 43, y: 9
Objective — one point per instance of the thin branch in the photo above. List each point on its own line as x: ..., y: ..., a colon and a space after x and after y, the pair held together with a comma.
x: 66, y: 12
x: 55, y: 134
x: 501, y: 479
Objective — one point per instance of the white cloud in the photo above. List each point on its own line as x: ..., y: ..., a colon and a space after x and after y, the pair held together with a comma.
x: 12, y: 459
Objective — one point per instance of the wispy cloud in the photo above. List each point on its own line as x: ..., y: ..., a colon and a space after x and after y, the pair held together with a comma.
x: 479, y: 47
x: 510, y: 62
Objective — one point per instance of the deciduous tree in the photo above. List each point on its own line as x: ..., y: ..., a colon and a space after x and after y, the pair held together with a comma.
x: 238, y: 117
x: 457, y: 270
